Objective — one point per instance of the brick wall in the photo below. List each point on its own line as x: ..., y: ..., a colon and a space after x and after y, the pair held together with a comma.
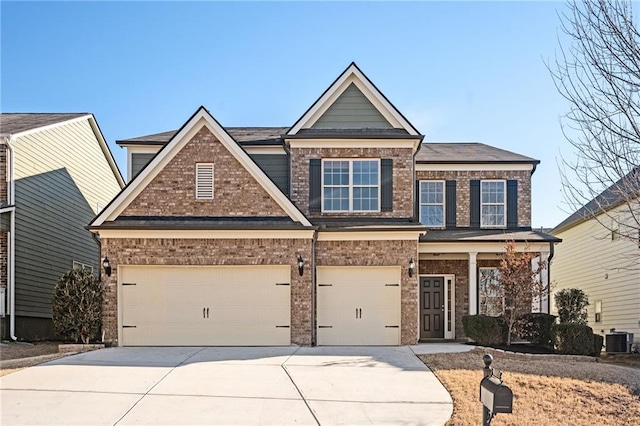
x: 463, y: 179
x: 403, y: 181
x: 380, y: 253
x: 135, y: 251
x: 172, y: 191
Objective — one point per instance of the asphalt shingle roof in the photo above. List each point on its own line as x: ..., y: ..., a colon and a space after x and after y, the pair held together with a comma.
x: 468, y: 152
x: 486, y: 235
x: 254, y: 135
x: 11, y: 123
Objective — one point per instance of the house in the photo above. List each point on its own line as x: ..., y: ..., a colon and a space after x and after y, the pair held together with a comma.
x: 57, y: 174
x: 342, y: 229
x: 600, y: 255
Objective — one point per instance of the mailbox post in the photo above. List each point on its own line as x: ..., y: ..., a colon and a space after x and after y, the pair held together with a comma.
x: 495, y: 396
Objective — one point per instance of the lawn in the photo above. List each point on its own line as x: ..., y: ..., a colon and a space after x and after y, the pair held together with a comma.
x: 546, y: 392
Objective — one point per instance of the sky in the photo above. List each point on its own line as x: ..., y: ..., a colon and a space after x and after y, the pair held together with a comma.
x: 459, y: 71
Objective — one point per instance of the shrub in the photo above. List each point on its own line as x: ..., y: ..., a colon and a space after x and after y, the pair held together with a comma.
x: 77, y: 306
x: 482, y: 329
x: 574, y: 339
x: 537, y: 328
x: 598, y: 342
x: 572, y: 306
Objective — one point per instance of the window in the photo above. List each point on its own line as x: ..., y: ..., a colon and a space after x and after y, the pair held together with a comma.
x: 350, y: 185
x: 490, y: 300
x: 492, y: 203
x: 598, y: 310
x: 204, y: 181
x: 615, y: 228
x: 82, y: 266
x: 432, y: 203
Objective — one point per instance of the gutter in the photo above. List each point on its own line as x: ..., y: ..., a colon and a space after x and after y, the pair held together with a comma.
x: 552, y: 248
x: 11, y: 238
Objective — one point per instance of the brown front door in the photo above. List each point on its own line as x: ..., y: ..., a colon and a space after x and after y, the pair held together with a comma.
x: 431, y: 307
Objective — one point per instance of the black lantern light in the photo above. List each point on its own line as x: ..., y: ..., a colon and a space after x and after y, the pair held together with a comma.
x: 412, y: 267
x: 300, y: 265
x: 107, y: 266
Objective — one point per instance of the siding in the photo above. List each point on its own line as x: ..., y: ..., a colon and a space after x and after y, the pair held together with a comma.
x: 605, y: 270
x: 138, y: 161
x: 352, y: 110
x: 276, y: 166
x: 61, y: 177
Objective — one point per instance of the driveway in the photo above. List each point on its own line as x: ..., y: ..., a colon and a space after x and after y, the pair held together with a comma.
x: 242, y: 386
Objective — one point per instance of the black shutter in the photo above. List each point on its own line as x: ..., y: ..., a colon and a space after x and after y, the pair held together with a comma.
x: 386, y: 189
x: 450, y: 206
x: 474, y: 204
x: 315, y: 182
x: 512, y: 204
x: 416, y: 201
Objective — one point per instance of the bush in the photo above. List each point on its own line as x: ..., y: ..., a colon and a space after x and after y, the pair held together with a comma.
x: 598, y: 342
x: 482, y: 329
x: 574, y: 339
x: 537, y: 328
x: 572, y: 306
x: 77, y: 306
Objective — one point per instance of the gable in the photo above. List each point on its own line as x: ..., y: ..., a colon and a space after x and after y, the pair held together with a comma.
x: 352, y: 110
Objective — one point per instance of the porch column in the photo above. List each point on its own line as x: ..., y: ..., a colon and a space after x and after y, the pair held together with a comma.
x: 473, y: 283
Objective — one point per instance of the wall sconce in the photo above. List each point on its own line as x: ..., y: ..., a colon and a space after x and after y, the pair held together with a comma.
x: 412, y: 267
x: 300, y: 265
x: 107, y: 266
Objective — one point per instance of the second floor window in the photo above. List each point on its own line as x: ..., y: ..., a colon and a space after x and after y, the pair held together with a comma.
x: 350, y: 185
x: 492, y: 203
x: 432, y: 203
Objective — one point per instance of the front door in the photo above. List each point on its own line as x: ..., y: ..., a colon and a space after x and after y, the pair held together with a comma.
x: 431, y: 307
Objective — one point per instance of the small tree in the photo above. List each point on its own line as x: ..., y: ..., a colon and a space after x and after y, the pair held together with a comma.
x: 519, y: 283
x: 77, y: 306
x: 572, y: 306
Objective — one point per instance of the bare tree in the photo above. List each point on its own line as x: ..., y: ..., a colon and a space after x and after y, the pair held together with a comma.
x: 598, y: 72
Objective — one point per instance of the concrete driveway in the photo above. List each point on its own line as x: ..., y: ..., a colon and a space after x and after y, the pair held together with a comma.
x: 242, y: 386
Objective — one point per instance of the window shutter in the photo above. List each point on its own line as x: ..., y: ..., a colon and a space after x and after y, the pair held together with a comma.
x: 315, y: 185
x: 416, y: 201
x: 386, y: 189
x: 450, y: 206
x: 512, y: 204
x: 204, y: 181
x: 474, y: 204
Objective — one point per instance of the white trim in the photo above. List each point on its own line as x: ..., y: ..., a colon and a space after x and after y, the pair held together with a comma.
x: 138, y: 149
x: 369, y: 235
x: 447, y: 334
x: 353, y: 143
x: 81, y: 266
x: 444, y: 202
x: 504, y: 203
x: 106, y: 151
x: 473, y: 283
x: 265, y: 150
x: 352, y: 75
x: 475, y: 167
x: 350, y: 186
x: 480, y: 247
x: 200, y: 118
x: 206, y: 234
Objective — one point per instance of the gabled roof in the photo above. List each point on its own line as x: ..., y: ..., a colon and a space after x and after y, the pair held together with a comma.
x: 463, y: 235
x: 624, y: 189
x: 242, y: 135
x: 200, y: 118
x: 467, y: 153
x: 353, y: 75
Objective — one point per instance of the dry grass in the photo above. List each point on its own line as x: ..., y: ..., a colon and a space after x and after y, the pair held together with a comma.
x: 545, y: 392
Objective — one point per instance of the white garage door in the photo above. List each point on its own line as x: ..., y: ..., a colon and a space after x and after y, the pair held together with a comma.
x: 358, y: 305
x: 205, y: 305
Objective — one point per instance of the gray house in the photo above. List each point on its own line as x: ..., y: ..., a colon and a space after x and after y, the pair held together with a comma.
x: 57, y: 174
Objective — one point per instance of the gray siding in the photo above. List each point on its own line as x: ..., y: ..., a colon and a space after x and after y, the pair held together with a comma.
x: 138, y: 161
x: 276, y: 166
x: 352, y: 110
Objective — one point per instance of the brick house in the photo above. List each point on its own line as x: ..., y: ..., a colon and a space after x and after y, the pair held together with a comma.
x: 343, y: 229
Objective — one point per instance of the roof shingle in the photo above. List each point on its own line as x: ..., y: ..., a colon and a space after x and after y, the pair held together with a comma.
x: 468, y: 152
x: 12, y: 123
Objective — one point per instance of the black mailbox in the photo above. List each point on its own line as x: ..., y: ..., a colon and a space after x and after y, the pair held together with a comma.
x: 496, y: 396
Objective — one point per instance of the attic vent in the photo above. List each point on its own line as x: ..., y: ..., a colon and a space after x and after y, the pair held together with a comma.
x: 204, y: 181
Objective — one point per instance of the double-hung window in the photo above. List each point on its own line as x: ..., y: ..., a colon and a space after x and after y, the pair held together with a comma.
x: 493, y: 203
x: 351, y: 185
x: 490, y: 300
x: 432, y: 203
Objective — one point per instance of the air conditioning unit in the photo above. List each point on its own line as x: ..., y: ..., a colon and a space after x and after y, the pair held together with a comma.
x: 619, y: 342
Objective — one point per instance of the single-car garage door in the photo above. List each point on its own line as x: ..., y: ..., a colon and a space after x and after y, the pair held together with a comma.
x: 204, y: 305
x: 358, y: 305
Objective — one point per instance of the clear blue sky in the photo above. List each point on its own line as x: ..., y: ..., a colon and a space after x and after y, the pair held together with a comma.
x: 458, y: 71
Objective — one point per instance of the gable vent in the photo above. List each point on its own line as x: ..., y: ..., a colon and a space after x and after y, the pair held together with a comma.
x: 204, y: 181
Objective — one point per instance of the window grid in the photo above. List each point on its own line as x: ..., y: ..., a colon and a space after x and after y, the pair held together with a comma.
x: 493, y: 203
x: 432, y: 203
x: 350, y: 186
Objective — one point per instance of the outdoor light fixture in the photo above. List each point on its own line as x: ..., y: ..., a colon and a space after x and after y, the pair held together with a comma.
x: 107, y: 266
x: 412, y: 267
x: 300, y: 265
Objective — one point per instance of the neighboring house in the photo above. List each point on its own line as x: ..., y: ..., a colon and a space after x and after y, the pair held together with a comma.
x: 595, y: 258
x: 57, y: 174
x: 343, y: 229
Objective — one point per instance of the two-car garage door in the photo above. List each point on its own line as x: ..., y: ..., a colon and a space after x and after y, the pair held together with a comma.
x: 205, y: 305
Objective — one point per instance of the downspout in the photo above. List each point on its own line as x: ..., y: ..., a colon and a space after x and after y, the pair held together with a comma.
x: 11, y: 239
x: 551, y: 253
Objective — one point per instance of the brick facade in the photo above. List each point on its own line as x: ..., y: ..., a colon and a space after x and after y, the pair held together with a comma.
x: 463, y: 178
x: 402, y: 177
x: 172, y: 191
x: 134, y: 251
x: 380, y: 253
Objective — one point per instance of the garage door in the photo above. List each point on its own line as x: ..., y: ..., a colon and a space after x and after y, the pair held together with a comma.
x: 358, y: 305
x: 205, y: 305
